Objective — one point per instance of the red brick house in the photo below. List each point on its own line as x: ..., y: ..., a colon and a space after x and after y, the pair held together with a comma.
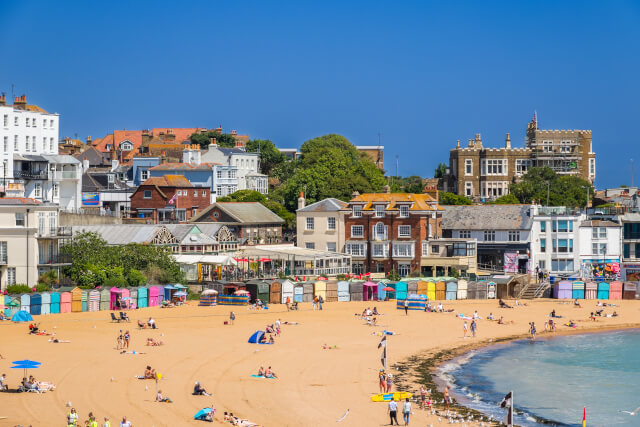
x: 387, y: 231
x: 169, y: 199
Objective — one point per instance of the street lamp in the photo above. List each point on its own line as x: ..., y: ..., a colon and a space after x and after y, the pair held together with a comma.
x: 548, y: 183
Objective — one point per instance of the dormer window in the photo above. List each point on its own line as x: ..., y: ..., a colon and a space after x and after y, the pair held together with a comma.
x: 126, y: 145
x: 357, y: 211
x: 404, y: 211
x: 379, y: 211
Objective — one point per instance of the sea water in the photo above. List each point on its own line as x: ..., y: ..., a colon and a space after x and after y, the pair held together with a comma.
x: 553, y: 379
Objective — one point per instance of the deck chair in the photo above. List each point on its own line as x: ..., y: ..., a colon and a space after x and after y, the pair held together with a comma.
x: 294, y: 306
x: 114, y: 318
x: 124, y: 317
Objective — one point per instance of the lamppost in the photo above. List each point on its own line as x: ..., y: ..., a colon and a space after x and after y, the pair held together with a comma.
x: 548, y: 184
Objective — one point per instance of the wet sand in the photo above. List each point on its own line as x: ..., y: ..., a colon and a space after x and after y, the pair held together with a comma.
x: 316, y: 386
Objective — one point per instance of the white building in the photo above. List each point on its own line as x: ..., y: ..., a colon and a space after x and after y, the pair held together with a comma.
x: 599, y: 247
x: 555, y: 240
x: 247, y: 165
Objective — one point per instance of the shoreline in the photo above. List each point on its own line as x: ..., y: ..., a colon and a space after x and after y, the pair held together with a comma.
x: 426, y: 367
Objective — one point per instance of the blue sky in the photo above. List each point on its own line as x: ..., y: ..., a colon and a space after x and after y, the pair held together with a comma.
x: 423, y: 74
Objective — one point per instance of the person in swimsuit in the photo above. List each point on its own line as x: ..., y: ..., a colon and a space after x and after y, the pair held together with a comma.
x: 423, y: 396
x: 389, y: 383
x: 382, y: 378
x: 447, y: 397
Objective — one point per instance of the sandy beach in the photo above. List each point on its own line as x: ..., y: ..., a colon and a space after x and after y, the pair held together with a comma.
x: 315, y: 386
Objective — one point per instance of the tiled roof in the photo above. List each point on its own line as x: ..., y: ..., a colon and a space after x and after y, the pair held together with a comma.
x: 599, y: 223
x: 243, y: 212
x: 420, y: 202
x: 487, y: 217
x: 182, y: 134
x: 36, y: 109
x: 18, y: 201
x: 168, y: 181
x: 326, y: 205
x: 183, y: 166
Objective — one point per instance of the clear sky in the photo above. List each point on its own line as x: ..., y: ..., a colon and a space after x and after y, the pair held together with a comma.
x: 422, y: 74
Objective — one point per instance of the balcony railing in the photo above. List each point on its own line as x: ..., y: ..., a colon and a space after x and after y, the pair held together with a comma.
x: 30, y: 175
x: 54, y: 259
x: 60, y: 175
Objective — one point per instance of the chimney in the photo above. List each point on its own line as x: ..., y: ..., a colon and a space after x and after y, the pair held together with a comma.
x: 85, y: 164
x: 386, y: 189
x: 355, y: 194
x: 470, y: 143
x: 89, y: 140
x: 431, y: 191
x: 192, y: 157
x: 21, y: 102
x: 3, y: 99
x: 214, y: 142
x: 301, y: 201
x: 114, y: 164
x: 458, y: 144
x: 234, y: 132
x: 507, y: 142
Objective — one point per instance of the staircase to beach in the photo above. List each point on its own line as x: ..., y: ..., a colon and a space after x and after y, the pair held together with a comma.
x: 534, y: 290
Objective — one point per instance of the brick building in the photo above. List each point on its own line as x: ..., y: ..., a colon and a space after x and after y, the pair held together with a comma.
x: 386, y: 231
x: 486, y: 173
x: 169, y: 199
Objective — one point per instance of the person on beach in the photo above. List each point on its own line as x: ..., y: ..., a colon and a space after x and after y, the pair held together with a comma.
x: 473, y: 328
x: 315, y: 302
x: 423, y: 396
x: 127, y: 338
x: 261, y: 372
x: 106, y: 423
x: 475, y: 314
x: 232, y: 317
x: 465, y: 328
x: 198, y: 390
x: 268, y: 373
x: 320, y: 301
x: 393, y: 412
x: 490, y: 317
x: 92, y: 420
x: 72, y: 417
x: 152, y: 323
x: 375, y: 311
x: 389, y: 383
x: 120, y: 341
x: 406, y: 411
x: 160, y: 398
x: 447, y: 397
x: 382, y: 380
x: 406, y: 307
x: 125, y: 422
x: 149, y: 373
x: 532, y: 331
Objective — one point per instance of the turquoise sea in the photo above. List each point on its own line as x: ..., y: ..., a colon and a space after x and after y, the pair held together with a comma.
x: 553, y: 379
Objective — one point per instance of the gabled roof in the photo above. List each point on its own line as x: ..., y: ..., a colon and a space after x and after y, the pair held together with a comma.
x: 326, y: 205
x: 487, y: 217
x: 599, y: 223
x: 94, y: 156
x: 168, y: 181
x: 18, y: 201
x: 419, y: 202
x: 182, y: 134
x: 243, y: 212
x: 184, y: 167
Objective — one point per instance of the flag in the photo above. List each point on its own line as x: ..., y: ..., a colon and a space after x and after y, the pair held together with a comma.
x: 507, y: 402
x: 173, y: 199
x: 584, y: 417
x: 383, y: 342
x: 383, y: 358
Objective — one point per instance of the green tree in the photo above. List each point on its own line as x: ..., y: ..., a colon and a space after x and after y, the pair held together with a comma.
x: 539, y: 183
x: 270, y: 156
x: 222, y: 139
x: 440, y: 171
x: 452, y: 199
x: 507, y: 199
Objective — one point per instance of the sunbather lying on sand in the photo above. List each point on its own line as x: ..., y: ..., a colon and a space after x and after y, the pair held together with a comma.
x: 152, y: 342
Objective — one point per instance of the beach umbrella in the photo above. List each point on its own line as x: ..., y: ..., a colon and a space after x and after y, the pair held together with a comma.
x: 241, y: 292
x: 388, y: 289
x: 180, y: 294
x: 26, y: 364
x: 202, y: 413
x: 25, y: 361
x: 264, y: 260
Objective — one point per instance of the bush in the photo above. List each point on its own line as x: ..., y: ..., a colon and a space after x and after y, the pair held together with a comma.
x: 393, y: 276
x: 135, y: 278
x: 19, y: 289
x: 42, y: 287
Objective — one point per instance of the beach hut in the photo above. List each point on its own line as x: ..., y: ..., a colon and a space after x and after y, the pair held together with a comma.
x: 412, y: 287
x: 133, y: 294
x: 431, y: 290
x: 415, y: 303
x: 332, y: 291
x: 25, y: 302
x: 35, y: 307
x: 492, y: 290
x: 472, y: 289
x: 275, y: 292
x: 422, y: 287
x: 615, y: 290
x: 343, y: 291
x: 390, y: 292
x: 563, y: 290
x: 46, y: 303
x: 287, y: 290
x: 591, y: 290
x: 577, y: 290
x: 482, y: 287
x: 85, y: 300
x: 143, y: 295
x: 356, y: 291
x: 382, y: 294
x: 208, y: 298
x: 233, y: 299
x: 55, y: 303
x: 94, y: 300
x: 441, y: 290
x: 629, y: 290
x: 14, y: 305
x: 307, y: 291
x: 298, y: 290
x: 169, y: 290
x: 603, y: 290
x: 76, y: 300
x: 369, y: 291
x: 65, y: 300
x: 320, y: 289
x: 153, y: 296
x: 115, y: 295
x: 462, y: 289
x: 258, y: 289
x: 105, y: 299
x: 401, y: 290
x: 6, y: 299
x: 452, y: 290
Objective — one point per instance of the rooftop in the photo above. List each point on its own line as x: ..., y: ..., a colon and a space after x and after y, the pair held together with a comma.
x: 419, y: 202
x: 168, y: 181
x: 184, y: 166
x: 243, y: 212
x: 487, y: 217
x: 326, y: 205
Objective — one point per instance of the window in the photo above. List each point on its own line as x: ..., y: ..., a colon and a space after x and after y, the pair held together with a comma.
x: 147, y: 194
x: 403, y: 250
x: 425, y: 249
x: 19, y: 219
x: 599, y: 233
x: 11, y: 276
x: 514, y: 236
x: 379, y: 211
x: 26, y: 138
x: 380, y: 232
x: 41, y: 223
x: 435, y: 249
x: 357, y: 231
x: 543, y: 245
x: 494, y: 167
x: 16, y: 147
x: 33, y: 144
x: 468, y: 189
x: 565, y: 265
x: 592, y: 167
x: 219, y: 174
x: 471, y: 249
x: 15, y: 121
x: 626, y: 250
x: 53, y: 223
x: 310, y: 223
x: 26, y: 122
x: 232, y: 173
x: 331, y: 246
x: 331, y: 223
x: 204, y: 193
x: 494, y: 188
x: 195, y: 193
x: 563, y: 245
x: 489, y: 236
x: 37, y: 190
x: 459, y: 249
x: 465, y: 234
x: 355, y: 249
x: 468, y: 167
x: 144, y: 174
x: 3, y: 252
x: 6, y: 120
x: 356, y: 211
x: 404, y: 211
x: 562, y: 226
x: 380, y: 250
x: 541, y: 264
x: 404, y: 231
x: 379, y: 267
x: 599, y: 249
x: 33, y: 123
x: 51, y: 123
x: 522, y: 166
x: 219, y: 190
x: 404, y: 269
x: 6, y: 144
x: 357, y: 268
x: 543, y: 226
x: 310, y: 245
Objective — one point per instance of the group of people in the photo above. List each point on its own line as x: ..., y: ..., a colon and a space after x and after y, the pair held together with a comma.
x: 150, y: 324
x: 73, y: 420
x: 385, y: 381
x: 123, y: 340
x: 474, y: 328
x: 30, y: 384
x: 267, y: 373
x: 393, y: 411
x: 317, y: 302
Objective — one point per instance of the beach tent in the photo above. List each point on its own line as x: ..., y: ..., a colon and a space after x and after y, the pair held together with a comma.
x: 85, y: 300
x: 307, y: 291
x: 275, y: 292
x: 472, y: 290
x: 332, y: 291
x: 25, y: 302
x: 563, y: 290
x: 143, y: 295
x: 591, y: 290
x: 153, y: 298
x: 105, y: 299
x: 76, y: 300
x: 492, y: 290
x: 208, y: 298
x: 452, y: 290
x: 46, y: 303
x: 415, y: 303
x: 35, y: 308
x: 441, y: 290
x: 401, y: 290
x: 603, y: 290
x: 577, y: 288
x: 320, y: 289
x: 114, y: 295
x: 298, y: 290
x: 133, y: 294
x: 343, y: 291
x: 287, y: 290
x: 202, y: 414
x: 412, y: 287
x: 629, y: 290
x: 615, y: 290
x: 94, y: 300
x: 462, y: 289
x: 55, y: 303
x: 355, y: 291
x: 256, y: 337
x: 423, y: 287
x: 21, y: 316
x: 369, y: 291
x: 481, y: 289
x: 233, y: 299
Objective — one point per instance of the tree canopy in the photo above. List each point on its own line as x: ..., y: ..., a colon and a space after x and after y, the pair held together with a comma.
x: 563, y: 190
x: 270, y: 156
x: 440, y: 171
x: 445, y: 198
x: 411, y: 184
x: 222, y: 139
x: 507, y: 199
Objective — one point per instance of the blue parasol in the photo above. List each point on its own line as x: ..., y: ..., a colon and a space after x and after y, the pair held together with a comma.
x: 20, y: 362
x: 26, y: 364
x: 202, y: 413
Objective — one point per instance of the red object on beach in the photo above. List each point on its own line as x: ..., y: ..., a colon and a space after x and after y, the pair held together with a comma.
x: 388, y: 289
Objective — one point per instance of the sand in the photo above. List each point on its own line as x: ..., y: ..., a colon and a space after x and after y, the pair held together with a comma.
x: 316, y: 386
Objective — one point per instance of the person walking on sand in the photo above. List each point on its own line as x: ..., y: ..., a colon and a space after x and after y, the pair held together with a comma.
x: 106, y: 423
x: 465, y: 328
x: 423, y: 396
x: 120, y: 341
x: 125, y: 422
x: 474, y: 326
x: 315, y: 302
x: 127, y: 338
x: 532, y: 331
x: 447, y: 397
x: 320, y: 301
x: 406, y: 411
x: 232, y: 317
x: 389, y: 383
x: 382, y: 379
x: 406, y: 307
x: 393, y: 412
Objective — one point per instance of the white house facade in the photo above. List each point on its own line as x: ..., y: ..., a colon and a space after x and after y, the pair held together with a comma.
x: 246, y: 164
x: 555, y: 243
x: 599, y: 248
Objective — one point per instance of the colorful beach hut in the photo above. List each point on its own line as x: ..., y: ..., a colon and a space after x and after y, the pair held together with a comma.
x: 356, y: 291
x: 343, y: 291
x: 382, y: 294
x: 603, y: 290
x: 208, y: 298
x: 422, y: 287
x: 169, y: 290
x: 94, y: 300
x: 615, y: 290
x: 563, y: 290
x: 46, y: 303
x: 115, y: 295
x: 462, y: 289
x: 65, y: 301
x: 275, y: 292
x: 441, y: 290
x: 14, y: 305
x: 35, y: 307
x: 85, y: 300
x: 591, y: 290
x: 6, y: 299
x: 258, y: 289
x: 492, y: 290
x: 369, y: 291
x: 25, y: 303
x: 105, y: 299
x: 629, y: 290
x: 154, y: 296
x: 452, y: 290
x: 287, y: 290
x: 133, y: 294
x: 143, y: 295
x: 412, y: 287
x: 431, y: 290
x: 55, y: 303
x: 332, y: 291
x: 320, y: 289
x: 415, y: 303
x: 577, y: 289
x: 298, y: 290
x: 76, y: 300
x: 307, y: 291
x: 401, y: 290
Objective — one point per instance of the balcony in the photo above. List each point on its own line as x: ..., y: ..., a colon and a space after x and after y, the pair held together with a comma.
x: 3, y: 259
x: 631, y: 235
x: 63, y: 175
x: 58, y: 259
x: 29, y: 174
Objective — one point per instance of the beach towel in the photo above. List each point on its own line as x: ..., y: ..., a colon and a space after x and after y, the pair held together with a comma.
x: 262, y: 376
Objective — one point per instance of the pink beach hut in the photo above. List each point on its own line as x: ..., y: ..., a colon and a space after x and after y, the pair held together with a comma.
x: 115, y: 294
x: 154, y: 296
x: 65, y: 302
x: 125, y: 298
x: 615, y: 290
x: 369, y: 291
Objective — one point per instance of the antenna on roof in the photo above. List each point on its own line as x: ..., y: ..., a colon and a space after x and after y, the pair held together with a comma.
x: 397, y: 166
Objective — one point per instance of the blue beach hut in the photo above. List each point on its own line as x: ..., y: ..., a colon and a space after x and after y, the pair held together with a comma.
x: 142, y: 297
x: 36, y: 305
x: 603, y: 290
x: 7, y: 307
x: 168, y: 292
x: 46, y: 303
x: 577, y: 290
x: 452, y: 290
x: 25, y: 303
x: 55, y: 303
x: 401, y: 290
x: 382, y: 294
